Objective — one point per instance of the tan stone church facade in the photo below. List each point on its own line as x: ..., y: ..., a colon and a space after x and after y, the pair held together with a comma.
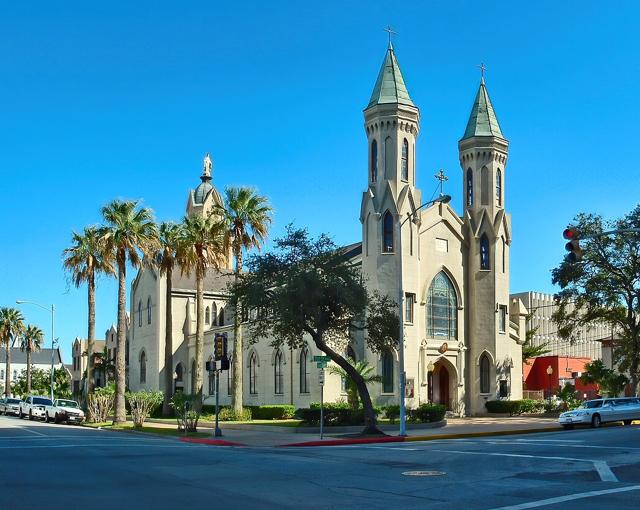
x: 463, y: 333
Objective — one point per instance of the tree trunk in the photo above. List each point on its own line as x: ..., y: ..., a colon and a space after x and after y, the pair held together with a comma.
x: 199, y: 339
x: 168, y: 345
x: 7, y: 378
x: 121, y: 412
x: 91, y: 331
x: 370, y: 419
x: 237, y: 346
x: 29, y: 369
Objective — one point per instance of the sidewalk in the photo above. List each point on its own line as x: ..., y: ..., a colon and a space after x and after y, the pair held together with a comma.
x: 272, y: 435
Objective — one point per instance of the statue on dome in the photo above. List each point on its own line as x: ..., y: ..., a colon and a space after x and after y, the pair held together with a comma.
x: 207, y: 166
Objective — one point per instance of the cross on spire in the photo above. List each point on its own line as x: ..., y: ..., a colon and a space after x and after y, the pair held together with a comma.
x: 390, y: 31
x: 442, y: 178
x: 482, y: 68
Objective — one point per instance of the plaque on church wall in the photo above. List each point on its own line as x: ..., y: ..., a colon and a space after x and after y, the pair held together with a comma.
x: 443, y: 348
x: 409, y: 388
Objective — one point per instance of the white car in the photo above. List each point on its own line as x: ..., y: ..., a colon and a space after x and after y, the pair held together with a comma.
x: 602, y: 410
x: 64, y: 410
x: 34, y: 407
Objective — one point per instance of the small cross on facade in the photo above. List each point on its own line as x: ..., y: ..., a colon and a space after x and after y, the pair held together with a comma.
x: 442, y: 178
x: 390, y: 31
x: 482, y: 69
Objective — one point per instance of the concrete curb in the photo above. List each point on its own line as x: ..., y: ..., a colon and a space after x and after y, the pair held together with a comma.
x: 211, y: 442
x: 398, y: 439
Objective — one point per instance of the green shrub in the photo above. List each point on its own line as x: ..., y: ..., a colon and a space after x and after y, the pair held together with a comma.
x: 272, y: 412
x: 183, y: 406
x: 227, y: 414
x: 427, y: 413
x: 331, y: 405
x: 332, y: 416
x: 514, y: 407
x: 142, y: 404
x: 392, y: 412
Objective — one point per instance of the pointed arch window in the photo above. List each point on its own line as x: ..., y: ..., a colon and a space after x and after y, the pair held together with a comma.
x: 387, y: 233
x: 304, y: 370
x: 504, y: 255
x: 484, y: 183
x: 143, y: 367
x: 469, y: 187
x: 221, y: 317
x: 485, y: 374
x: 387, y: 372
x: 484, y: 253
x: 405, y: 160
x: 499, y: 188
x: 374, y: 161
x: 193, y: 377
x: 442, y: 308
x: 214, y: 314
x: 140, y: 313
x: 278, y: 374
x: 253, y: 374
x: 149, y: 310
x: 207, y: 315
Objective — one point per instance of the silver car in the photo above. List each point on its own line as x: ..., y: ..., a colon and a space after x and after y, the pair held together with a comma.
x: 602, y: 410
x: 10, y: 405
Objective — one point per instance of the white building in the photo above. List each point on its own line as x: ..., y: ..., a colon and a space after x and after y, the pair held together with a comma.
x: 40, y: 360
x: 463, y: 332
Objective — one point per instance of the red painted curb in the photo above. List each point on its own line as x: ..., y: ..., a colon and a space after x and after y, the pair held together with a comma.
x: 340, y: 442
x: 212, y: 442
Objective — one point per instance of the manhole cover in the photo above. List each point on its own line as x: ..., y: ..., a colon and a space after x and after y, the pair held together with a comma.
x: 424, y: 473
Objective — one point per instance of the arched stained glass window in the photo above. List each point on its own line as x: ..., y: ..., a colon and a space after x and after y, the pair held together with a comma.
x: 278, y: 375
x: 469, y: 187
x: 214, y: 314
x: 484, y: 252
x: 442, y: 308
x: 140, y: 313
x: 304, y: 370
x: 221, y: 317
x: 149, y: 310
x: 207, y: 315
x: 374, y: 161
x: 485, y: 374
x: 387, y: 233
x: 405, y: 161
x: 253, y: 374
x: 387, y: 372
x: 499, y: 188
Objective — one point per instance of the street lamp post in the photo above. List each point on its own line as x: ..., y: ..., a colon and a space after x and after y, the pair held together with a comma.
x: 549, y: 373
x: 53, y: 331
x: 410, y: 216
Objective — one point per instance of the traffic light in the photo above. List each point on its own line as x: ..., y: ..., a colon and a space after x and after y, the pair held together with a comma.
x: 220, y: 346
x: 573, y: 246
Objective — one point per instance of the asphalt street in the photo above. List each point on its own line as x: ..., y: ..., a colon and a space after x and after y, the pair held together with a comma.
x: 59, y: 466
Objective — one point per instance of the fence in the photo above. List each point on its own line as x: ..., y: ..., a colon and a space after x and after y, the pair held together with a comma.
x: 533, y: 394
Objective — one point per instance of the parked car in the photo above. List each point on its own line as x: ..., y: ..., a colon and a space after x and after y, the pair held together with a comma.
x: 10, y: 405
x: 64, y: 410
x: 34, y: 407
x: 602, y: 410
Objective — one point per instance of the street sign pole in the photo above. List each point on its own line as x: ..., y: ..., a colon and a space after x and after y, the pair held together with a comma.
x: 321, y: 377
x: 217, y: 431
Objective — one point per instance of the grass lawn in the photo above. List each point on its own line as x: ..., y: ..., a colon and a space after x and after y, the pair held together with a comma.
x: 163, y: 431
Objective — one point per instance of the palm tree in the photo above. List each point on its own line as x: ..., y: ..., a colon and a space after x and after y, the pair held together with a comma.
x: 169, y: 234
x: 11, y: 327
x: 364, y: 369
x: 248, y: 217
x: 200, y: 246
x: 31, y: 341
x: 84, y: 260
x: 129, y: 231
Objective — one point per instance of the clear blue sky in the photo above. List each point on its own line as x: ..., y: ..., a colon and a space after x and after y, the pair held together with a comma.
x: 114, y: 100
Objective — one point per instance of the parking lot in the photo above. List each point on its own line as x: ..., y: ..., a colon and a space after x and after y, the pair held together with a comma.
x: 70, y: 466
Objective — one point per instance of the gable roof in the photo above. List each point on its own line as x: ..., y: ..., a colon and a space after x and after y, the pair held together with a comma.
x: 41, y: 357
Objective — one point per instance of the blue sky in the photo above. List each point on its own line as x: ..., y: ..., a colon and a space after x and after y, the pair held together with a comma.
x: 114, y: 100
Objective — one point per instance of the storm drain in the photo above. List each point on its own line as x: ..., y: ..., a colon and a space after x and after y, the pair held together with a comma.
x: 424, y: 473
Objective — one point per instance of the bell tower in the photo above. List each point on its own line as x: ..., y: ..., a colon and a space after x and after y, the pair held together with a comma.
x: 483, y: 154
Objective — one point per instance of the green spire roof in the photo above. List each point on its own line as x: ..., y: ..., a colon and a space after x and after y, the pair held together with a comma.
x: 390, y: 87
x: 483, y: 120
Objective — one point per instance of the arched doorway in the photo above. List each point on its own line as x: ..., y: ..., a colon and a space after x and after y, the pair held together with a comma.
x: 443, y: 380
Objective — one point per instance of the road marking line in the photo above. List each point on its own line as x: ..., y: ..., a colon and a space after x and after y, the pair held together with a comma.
x: 567, y: 445
x: 570, y: 497
x: 129, y: 445
x: 34, y: 432
x: 606, y: 475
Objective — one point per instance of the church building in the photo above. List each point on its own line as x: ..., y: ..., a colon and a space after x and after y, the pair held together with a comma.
x: 463, y: 335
